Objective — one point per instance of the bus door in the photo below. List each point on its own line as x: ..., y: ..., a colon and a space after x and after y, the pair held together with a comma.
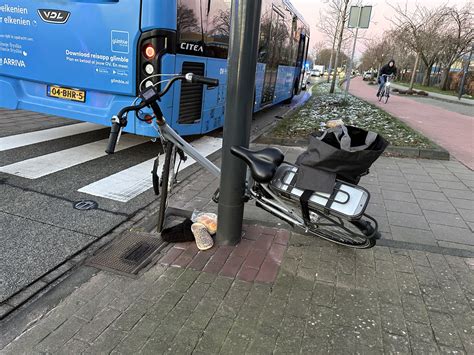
x: 300, y: 60
x: 72, y: 58
x: 273, y: 56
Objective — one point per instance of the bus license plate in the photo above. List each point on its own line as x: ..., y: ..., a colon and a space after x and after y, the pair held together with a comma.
x: 66, y: 93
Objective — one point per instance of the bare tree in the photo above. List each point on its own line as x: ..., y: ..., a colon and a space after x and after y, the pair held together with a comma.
x: 342, y: 6
x: 187, y: 20
x: 324, y: 57
x: 330, y: 24
x: 456, y: 39
x: 419, y: 30
x: 316, y: 50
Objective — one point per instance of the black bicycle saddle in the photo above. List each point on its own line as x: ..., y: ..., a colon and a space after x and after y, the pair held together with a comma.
x: 262, y: 163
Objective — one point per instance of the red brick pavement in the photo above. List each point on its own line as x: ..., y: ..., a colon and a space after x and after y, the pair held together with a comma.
x: 256, y: 258
x: 452, y: 131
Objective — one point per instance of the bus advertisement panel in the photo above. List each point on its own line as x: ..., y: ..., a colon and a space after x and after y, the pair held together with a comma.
x: 85, y: 59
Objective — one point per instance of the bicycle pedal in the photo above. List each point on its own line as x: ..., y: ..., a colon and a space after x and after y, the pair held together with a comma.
x: 215, y: 197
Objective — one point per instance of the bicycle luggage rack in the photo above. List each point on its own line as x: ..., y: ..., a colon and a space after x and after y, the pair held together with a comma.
x: 330, y: 197
x: 284, y: 184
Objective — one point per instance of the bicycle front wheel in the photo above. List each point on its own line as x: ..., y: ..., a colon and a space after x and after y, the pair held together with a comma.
x: 166, y: 182
x: 387, y: 95
x: 349, y: 234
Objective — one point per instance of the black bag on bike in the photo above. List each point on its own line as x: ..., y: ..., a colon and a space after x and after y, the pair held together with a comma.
x: 343, y: 152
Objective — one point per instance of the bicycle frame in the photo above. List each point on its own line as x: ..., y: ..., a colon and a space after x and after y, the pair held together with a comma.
x: 281, y: 209
x: 168, y: 134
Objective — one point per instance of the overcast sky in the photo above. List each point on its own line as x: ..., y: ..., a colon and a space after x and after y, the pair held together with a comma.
x: 380, y: 12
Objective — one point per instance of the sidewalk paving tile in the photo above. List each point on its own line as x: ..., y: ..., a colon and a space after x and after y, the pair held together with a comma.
x: 423, y: 186
x: 403, y: 207
x: 467, y: 215
x: 413, y: 235
x: 453, y: 234
x: 462, y: 203
x: 444, y: 218
x: 399, y: 196
x: 407, y: 220
x: 432, y: 205
x: 429, y: 195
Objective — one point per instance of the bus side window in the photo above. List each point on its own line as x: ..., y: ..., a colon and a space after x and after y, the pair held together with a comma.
x: 190, y: 36
x: 265, y: 30
x: 217, y: 28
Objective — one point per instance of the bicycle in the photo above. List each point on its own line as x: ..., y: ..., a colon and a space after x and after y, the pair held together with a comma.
x: 338, y: 217
x: 385, y: 92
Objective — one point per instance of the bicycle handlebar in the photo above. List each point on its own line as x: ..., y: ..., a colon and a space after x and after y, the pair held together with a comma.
x: 149, y: 96
x: 113, y: 137
x: 197, y: 79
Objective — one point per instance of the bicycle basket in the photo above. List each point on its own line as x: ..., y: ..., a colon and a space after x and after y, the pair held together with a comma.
x: 344, y: 152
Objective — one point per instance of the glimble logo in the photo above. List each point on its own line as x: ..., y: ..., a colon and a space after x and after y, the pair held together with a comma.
x: 54, y: 16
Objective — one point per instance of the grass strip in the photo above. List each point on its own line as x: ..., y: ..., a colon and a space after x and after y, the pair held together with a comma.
x: 323, y: 106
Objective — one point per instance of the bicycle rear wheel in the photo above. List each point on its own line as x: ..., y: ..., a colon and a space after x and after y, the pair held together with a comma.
x: 350, y: 234
x: 166, y: 182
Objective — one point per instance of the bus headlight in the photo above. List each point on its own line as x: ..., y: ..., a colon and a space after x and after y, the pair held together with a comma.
x: 149, y: 69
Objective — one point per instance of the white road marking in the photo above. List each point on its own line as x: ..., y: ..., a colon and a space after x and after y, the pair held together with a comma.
x: 129, y: 183
x: 51, y: 163
x: 24, y: 139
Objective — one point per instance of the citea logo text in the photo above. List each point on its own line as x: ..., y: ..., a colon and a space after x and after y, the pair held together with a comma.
x: 54, y: 16
x: 120, y: 42
x: 192, y: 47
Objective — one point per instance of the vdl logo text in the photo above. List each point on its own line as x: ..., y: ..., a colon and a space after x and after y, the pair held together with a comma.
x: 54, y: 16
x: 14, y: 62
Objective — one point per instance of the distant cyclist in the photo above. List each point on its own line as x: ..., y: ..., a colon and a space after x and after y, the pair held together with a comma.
x: 387, y: 69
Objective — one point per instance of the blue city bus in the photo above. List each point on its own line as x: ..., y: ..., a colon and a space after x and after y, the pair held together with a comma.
x: 86, y: 59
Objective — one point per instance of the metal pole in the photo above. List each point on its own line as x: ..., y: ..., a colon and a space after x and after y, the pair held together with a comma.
x: 466, y: 69
x: 242, y: 65
x: 349, y: 72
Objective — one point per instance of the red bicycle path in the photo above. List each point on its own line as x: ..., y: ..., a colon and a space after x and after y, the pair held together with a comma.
x: 452, y: 131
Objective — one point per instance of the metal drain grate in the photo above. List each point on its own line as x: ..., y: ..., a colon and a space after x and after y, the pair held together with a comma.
x: 130, y: 254
x: 85, y: 205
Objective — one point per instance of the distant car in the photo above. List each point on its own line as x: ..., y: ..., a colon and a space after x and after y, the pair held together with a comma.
x: 367, y: 75
x: 315, y: 72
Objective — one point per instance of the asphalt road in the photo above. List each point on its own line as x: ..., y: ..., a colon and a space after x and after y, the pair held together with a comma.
x: 52, y: 165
